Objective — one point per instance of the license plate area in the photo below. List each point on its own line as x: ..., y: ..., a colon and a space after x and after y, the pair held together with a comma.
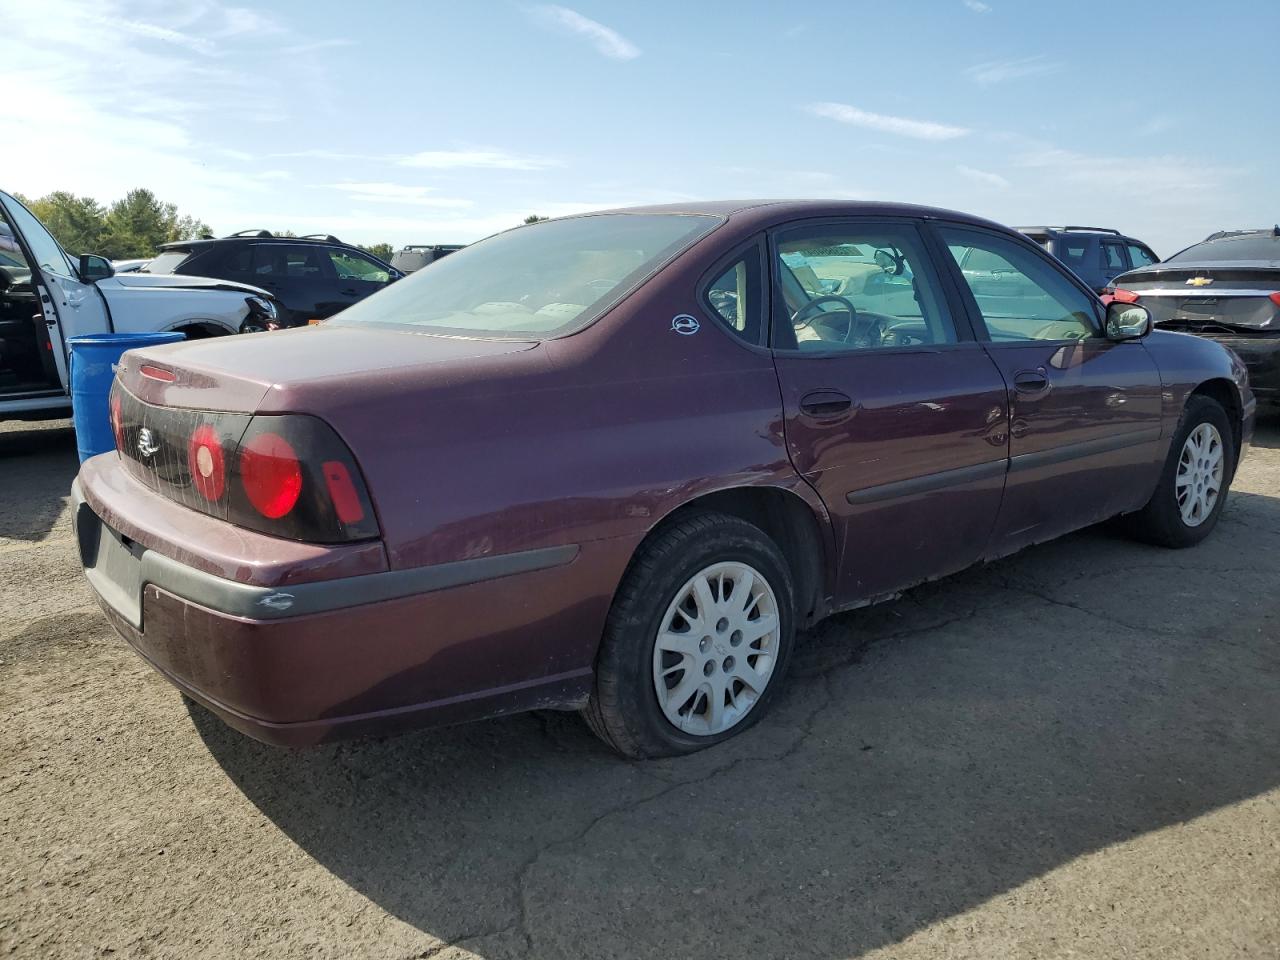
x: 112, y: 563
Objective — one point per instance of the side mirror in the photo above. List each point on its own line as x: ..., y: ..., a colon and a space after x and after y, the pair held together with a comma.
x: 1127, y: 321
x: 94, y: 268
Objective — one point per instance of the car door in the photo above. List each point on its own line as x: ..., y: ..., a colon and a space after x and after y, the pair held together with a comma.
x: 70, y: 306
x: 299, y: 276
x: 1085, y: 411
x: 1115, y: 261
x: 892, y: 411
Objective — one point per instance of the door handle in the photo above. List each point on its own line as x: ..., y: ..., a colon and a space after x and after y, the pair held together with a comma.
x: 350, y: 292
x: 1031, y: 381
x: 825, y: 403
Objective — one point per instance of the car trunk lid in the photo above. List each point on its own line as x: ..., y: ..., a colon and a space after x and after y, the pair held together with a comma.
x: 1225, y: 298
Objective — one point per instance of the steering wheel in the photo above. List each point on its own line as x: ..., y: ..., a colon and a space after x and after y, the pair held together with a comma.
x: 869, y: 324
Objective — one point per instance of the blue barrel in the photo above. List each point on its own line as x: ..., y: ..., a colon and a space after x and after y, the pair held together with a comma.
x: 93, y: 366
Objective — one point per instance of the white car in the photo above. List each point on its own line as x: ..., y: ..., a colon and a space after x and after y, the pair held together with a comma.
x: 46, y: 297
x: 130, y: 266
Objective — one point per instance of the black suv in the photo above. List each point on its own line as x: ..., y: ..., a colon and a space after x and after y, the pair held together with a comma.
x: 1097, y: 255
x: 416, y: 256
x: 313, y: 276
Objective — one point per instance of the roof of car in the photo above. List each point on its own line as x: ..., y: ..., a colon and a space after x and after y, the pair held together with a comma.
x: 782, y: 210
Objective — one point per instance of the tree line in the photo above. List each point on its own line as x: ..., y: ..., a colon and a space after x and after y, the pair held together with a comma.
x: 135, y: 226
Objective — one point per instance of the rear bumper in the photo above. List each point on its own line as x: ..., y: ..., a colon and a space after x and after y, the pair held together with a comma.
x: 310, y: 662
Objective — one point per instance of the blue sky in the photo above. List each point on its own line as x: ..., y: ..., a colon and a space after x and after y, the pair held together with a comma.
x: 438, y: 122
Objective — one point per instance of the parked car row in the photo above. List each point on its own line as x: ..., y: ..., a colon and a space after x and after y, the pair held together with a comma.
x: 645, y: 448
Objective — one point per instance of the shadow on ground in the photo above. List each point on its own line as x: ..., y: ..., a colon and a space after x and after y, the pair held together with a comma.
x: 37, y: 462
x: 929, y: 754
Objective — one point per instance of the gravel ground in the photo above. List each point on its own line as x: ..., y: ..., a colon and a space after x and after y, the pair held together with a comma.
x: 1072, y: 752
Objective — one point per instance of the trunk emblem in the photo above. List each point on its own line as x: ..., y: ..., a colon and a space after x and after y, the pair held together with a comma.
x: 1199, y: 281
x: 147, y: 446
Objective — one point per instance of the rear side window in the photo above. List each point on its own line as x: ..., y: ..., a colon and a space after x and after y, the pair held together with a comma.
x: 278, y: 261
x: 1113, y: 256
x: 1073, y: 253
x: 735, y: 297
x: 167, y: 261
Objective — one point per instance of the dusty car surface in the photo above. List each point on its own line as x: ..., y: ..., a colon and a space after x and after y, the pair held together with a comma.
x: 614, y: 462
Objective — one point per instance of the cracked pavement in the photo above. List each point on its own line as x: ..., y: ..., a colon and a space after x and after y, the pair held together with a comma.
x: 1071, y: 752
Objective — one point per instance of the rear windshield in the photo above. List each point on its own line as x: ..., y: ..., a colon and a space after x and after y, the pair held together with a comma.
x: 166, y: 262
x: 1259, y: 247
x: 533, y: 282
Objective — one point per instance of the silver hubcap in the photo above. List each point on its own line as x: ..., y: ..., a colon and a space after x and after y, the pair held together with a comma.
x: 716, y: 649
x: 1200, y: 469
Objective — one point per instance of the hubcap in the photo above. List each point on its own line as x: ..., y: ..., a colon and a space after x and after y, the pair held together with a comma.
x: 1200, y: 469
x: 716, y: 649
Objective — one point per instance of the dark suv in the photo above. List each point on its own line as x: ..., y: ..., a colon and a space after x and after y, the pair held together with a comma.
x: 313, y: 276
x: 1097, y: 255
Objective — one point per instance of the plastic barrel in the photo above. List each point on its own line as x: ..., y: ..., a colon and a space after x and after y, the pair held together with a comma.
x: 93, y: 366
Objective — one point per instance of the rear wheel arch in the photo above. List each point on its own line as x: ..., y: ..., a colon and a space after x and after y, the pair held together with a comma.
x: 799, y: 529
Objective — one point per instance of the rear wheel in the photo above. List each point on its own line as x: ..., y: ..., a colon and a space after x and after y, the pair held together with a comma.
x: 1193, y: 486
x: 697, y: 641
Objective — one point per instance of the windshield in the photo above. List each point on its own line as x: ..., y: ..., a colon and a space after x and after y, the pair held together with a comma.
x: 166, y: 262
x: 535, y: 281
x: 1264, y: 246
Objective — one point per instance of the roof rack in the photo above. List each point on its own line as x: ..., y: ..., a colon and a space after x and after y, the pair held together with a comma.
x: 1046, y: 229
x: 433, y: 246
x: 1095, y: 230
x: 327, y: 237
x: 1260, y: 231
x: 261, y: 234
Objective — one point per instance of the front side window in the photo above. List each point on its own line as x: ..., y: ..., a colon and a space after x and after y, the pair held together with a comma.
x: 1020, y: 294
x: 352, y: 266
x: 1140, y: 256
x: 535, y: 281
x: 856, y: 286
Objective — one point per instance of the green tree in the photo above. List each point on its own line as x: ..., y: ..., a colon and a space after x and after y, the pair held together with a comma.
x: 534, y: 218
x: 137, y: 225
x: 78, y: 223
x: 382, y: 251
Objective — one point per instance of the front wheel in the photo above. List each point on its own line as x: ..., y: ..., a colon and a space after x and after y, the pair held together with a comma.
x: 697, y: 641
x: 1193, y: 485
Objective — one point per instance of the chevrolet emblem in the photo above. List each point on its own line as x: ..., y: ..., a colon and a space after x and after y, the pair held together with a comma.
x: 1199, y: 281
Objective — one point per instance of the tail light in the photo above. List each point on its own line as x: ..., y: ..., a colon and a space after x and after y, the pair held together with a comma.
x: 1121, y: 295
x: 1274, y: 298
x: 288, y: 475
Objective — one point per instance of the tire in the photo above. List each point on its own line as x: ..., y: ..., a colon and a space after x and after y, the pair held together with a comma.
x: 626, y: 710
x: 1162, y: 520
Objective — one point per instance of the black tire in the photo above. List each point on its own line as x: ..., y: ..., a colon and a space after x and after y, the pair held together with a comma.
x: 1160, y: 521
x: 624, y: 710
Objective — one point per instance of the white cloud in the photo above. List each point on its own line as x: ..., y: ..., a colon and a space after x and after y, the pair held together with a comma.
x: 1170, y: 178
x: 984, y: 177
x: 608, y: 42
x: 482, y: 159
x: 999, y: 71
x: 977, y: 6
x: 919, y: 129
x: 398, y: 193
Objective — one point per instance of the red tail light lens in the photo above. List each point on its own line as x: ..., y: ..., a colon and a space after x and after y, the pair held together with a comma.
x: 271, y: 474
x: 342, y: 491
x: 207, y: 463
x: 1275, y: 298
x: 286, y: 475
x: 117, y: 417
x: 1122, y: 295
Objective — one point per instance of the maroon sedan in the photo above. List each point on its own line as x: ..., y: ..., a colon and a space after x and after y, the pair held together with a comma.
x: 614, y: 462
